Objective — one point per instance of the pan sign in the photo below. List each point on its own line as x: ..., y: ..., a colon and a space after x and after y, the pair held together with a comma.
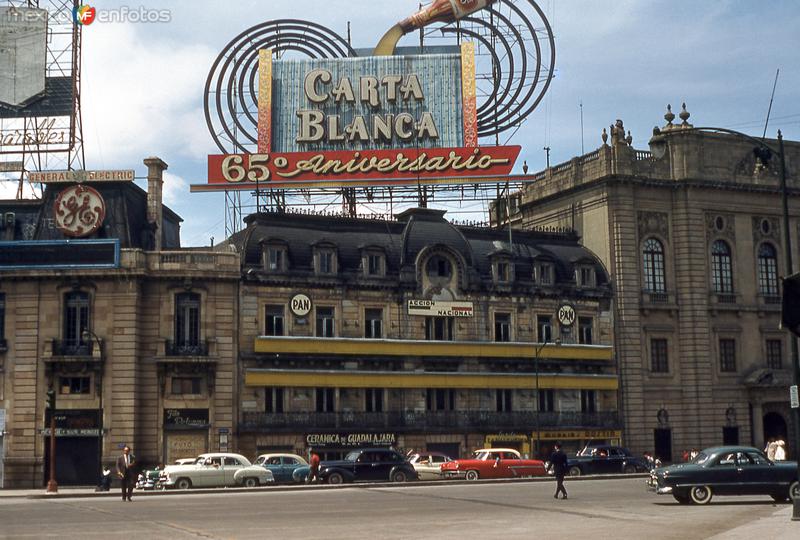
x: 438, y: 308
x: 566, y: 315
x: 300, y: 304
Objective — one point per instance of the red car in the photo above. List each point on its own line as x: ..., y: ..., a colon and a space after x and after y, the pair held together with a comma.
x: 493, y: 463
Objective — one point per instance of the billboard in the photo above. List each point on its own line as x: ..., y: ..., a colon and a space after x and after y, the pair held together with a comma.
x: 375, y: 120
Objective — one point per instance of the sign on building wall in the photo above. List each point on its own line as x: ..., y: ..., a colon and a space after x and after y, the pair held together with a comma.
x: 438, y: 308
x: 69, y: 177
x: 350, y: 440
x: 185, y: 418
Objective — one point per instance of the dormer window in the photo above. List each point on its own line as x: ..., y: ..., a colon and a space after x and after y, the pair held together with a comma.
x: 326, y: 262
x: 585, y: 276
x: 373, y: 265
x: 502, y: 271
x: 543, y: 273
x: 439, y: 266
x: 275, y: 259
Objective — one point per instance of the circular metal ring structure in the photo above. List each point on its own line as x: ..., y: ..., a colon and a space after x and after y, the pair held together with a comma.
x: 231, y: 102
x: 518, y: 40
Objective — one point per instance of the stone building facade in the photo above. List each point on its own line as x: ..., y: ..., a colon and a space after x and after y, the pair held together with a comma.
x: 694, y: 245
x: 136, y: 336
x: 420, y: 334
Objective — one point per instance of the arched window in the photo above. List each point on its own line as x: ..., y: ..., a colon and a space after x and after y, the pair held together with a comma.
x: 653, y: 262
x: 767, y: 270
x: 721, y: 268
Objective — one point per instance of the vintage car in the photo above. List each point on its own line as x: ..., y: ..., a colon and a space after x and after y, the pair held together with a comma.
x: 282, y: 466
x: 215, y: 470
x: 493, y: 463
x: 148, y: 478
x: 605, y: 459
x: 429, y: 464
x: 727, y: 470
x: 368, y: 464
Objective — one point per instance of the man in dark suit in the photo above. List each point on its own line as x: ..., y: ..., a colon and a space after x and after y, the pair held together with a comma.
x: 558, y: 462
x: 125, y: 473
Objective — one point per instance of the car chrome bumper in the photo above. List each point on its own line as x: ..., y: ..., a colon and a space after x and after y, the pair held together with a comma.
x: 666, y: 490
x: 454, y: 475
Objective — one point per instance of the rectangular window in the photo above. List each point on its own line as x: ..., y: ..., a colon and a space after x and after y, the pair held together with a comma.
x: 373, y: 323
x: 274, y: 320
x: 544, y: 329
x: 547, y: 400
x: 326, y: 262
x: 76, y: 320
x: 730, y: 436
x: 727, y: 355
x: 325, y: 320
x: 441, y: 399
x: 502, y: 272
x: 325, y: 400
x: 588, y: 401
x: 504, y: 400
x: 273, y: 399
x: 775, y: 353
x: 374, y: 267
x: 187, y: 385
x: 544, y: 274
x: 584, y: 276
x: 439, y: 328
x: 187, y: 322
x: 75, y: 385
x: 2, y: 316
x: 275, y: 259
x: 373, y: 400
x: 502, y: 327
x: 659, y: 359
x: 585, y: 330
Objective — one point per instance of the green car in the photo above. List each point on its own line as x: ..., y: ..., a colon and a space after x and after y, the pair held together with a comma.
x: 727, y: 470
x: 282, y: 466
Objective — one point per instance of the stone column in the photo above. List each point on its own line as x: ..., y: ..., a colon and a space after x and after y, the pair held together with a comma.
x: 155, y: 182
x: 758, y: 424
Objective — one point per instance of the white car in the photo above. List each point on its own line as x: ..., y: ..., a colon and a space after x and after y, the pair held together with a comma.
x: 429, y: 464
x: 215, y: 470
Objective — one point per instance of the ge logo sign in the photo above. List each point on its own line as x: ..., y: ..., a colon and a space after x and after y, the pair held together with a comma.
x: 566, y: 315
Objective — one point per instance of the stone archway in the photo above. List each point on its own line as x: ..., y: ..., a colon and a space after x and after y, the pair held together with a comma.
x: 775, y: 427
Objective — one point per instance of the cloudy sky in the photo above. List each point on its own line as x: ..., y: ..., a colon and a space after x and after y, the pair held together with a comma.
x: 143, y: 83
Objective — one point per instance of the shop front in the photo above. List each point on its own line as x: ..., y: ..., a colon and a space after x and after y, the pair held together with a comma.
x: 185, y: 433
x: 77, y: 446
x: 331, y: 446
x: 574, y: 440
x: 518, y: 441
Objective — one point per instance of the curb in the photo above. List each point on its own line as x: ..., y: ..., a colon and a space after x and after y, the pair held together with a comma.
x: 291, y: 487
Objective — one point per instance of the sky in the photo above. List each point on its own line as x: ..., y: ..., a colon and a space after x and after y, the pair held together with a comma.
x: 142, y: 83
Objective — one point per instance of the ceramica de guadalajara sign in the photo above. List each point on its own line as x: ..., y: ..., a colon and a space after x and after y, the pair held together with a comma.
x: 369, y: 120
x: 349, y: 440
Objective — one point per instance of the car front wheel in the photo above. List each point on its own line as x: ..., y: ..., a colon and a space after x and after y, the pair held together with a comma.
x: 701, y: 494
x: 250, y: 482
x: 472, y: 475
x: 335, y: 478
x: 183, y: 483
x: 794, y: 491
x: 399, y: 476
x: 575, y: 471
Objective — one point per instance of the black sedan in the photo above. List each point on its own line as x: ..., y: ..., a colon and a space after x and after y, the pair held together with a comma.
x: 605, y: 459
x: 368, y: 464
x: 727, y: 470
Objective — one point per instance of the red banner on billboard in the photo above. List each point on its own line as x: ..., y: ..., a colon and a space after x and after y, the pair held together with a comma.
x: 338, y: 168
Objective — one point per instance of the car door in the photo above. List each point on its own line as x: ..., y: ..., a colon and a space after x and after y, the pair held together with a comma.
x: 754, y: 472
x: 616, y: 458
x: 386, y: 461
x: 230, y: 465
x: 274, y: 465
x: 723, y: 475
x: 365, y: 467
x: 209, y: 473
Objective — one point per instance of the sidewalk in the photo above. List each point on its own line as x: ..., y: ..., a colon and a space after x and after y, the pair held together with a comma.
x: 778, y: 525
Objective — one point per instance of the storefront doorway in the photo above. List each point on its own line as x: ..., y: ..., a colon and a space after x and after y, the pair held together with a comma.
x: 77, y: 462
x: 774, y: 427
x: 449, y: 449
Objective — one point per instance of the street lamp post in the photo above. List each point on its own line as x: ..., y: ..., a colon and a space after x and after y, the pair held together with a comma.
x: 538, y: 397
x: 658, y: 146
x: 52, y: 485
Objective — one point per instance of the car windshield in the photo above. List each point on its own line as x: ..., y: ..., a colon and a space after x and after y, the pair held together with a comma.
x: 200, y: 461
x: 352, y: 456
x: 260, y: 460
x: 700, y: 458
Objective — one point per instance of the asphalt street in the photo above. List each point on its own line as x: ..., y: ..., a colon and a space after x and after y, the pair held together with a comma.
x: 596, y: 509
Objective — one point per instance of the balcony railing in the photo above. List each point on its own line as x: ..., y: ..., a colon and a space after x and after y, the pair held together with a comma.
x: 431, y: 421
x: 72, y: 347
x: 172, y: 348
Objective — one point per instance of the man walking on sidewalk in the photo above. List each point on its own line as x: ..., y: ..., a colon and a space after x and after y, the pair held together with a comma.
x: 125, y: 473
x: 558, y: 461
